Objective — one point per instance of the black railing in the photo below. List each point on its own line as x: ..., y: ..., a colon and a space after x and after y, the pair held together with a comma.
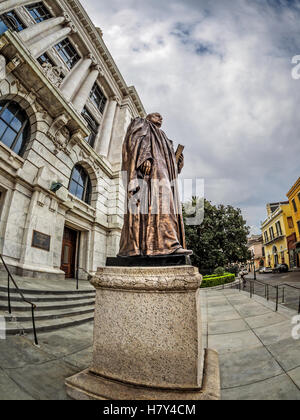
x: 279, y: 294
x: 77, y: 275
x: 33, y: 306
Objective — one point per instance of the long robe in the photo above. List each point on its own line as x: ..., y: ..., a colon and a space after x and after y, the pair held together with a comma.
x: 153, y: 223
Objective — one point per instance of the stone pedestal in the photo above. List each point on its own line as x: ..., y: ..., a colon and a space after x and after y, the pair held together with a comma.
x: 148, y: 338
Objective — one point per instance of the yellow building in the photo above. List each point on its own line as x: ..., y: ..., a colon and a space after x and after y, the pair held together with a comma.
x: 275, y: 230
x: 294, y: 241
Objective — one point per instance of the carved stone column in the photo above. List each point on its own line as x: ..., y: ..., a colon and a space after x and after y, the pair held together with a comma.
x: 85, y: 89
x: 107, y: 127
x: 43, y: 44
x: 7, y: 5
x: 75, y: 77
x: 40, y: 28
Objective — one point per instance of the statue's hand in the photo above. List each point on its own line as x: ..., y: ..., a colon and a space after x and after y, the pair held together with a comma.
x: 146, y: 167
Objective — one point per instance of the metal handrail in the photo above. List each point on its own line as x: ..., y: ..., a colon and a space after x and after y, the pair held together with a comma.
x: 77, y: 275
x: 267, y: 286
x: 33, y: 306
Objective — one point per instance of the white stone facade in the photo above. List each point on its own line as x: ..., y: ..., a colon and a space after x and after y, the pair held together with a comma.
x: 53, y: 97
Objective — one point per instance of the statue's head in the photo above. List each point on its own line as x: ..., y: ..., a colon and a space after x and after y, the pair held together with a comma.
x: 155, y: 118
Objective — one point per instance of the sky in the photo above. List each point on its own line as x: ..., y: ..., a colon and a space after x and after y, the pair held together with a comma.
x: 220, y: 73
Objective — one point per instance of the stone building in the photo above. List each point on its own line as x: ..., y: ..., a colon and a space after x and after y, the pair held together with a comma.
x: 275, y: 231
x: 294, y: 239
x: 255, y: 246
x: 64, y: 110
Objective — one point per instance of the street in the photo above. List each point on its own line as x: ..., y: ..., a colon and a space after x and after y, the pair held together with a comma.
x: 292, y: 277
x: 288, y: 290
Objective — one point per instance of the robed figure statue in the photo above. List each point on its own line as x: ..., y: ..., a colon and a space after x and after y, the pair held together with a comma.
x: 153, y: 222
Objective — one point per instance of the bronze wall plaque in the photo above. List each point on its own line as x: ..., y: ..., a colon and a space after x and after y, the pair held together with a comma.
x: 41, y: 241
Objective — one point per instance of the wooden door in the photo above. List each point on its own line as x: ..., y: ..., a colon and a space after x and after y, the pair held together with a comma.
x: 69, y: 253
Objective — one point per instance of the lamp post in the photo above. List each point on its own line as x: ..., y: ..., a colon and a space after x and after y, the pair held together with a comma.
x: 253, y: 263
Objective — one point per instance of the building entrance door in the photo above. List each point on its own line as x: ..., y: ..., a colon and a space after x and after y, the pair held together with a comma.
x: 68, y: 258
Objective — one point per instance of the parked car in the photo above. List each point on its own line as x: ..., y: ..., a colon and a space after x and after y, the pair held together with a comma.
x: 265, y: 270
x: 281, y: 268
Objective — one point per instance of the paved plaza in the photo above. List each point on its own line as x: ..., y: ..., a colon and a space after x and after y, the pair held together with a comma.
x: 259, y: 359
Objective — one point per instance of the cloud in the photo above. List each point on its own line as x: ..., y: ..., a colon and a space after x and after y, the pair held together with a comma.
x: 220, y: 73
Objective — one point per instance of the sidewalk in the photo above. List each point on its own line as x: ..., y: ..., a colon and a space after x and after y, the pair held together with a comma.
x: 259, y: 359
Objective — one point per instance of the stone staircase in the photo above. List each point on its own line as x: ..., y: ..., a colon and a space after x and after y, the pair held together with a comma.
x: 55, y: 309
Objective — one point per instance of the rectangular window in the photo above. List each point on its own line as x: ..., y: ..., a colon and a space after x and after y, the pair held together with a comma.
x: 10, y: 20
x: 272, y: 233
x: 93, y: 126
x: 98, y: 98
x: 298, y: 223
x: 39, y: 12
x: 68, y: 53
x: 278, y: 229
x: 294, y: 205
x: 299, y: 197
x: 290, y: 222
x: 45, y: 59
x: 266, y: 237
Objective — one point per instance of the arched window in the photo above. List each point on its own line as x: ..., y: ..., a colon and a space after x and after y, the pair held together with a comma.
x: 14, y: 126
x: 80, y: 184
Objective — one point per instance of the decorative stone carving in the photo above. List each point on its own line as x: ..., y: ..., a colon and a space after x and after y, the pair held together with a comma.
x: 3, y: 42
x: 72, y: 26
x: 153, y: 278
x: 67, y: 17
x: 93, y: 58
x: 59, y: 133
x: 2, y: 67
x: 99, y: 69
x: 20, y: 87
x: 14, y: 63
x: 53, y: 74
x: 41, y: 201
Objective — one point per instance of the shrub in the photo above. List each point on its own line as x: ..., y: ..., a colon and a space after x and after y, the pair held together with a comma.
x: 220, y: 271
x: 213, y: 281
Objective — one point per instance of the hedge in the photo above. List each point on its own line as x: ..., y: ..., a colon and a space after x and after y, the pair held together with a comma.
x: 213, y: 280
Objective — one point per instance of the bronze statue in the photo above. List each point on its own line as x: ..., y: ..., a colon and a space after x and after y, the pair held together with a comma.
x: 153, y: 223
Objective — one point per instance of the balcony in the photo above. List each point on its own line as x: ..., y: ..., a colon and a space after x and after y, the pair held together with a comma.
x: 275, y: 238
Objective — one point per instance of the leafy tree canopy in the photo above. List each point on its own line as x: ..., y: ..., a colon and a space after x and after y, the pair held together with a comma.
x: 220, y: 240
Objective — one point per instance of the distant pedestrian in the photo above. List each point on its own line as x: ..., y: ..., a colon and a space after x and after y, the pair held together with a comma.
x: 242, y: 275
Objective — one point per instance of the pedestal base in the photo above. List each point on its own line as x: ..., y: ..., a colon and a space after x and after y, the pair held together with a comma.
x: 148, y: 338
x: 89, y: 386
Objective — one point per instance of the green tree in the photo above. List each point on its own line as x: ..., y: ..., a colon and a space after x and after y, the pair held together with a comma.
x: 221, y: 239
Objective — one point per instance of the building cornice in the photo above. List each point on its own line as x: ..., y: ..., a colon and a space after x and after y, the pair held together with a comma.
x: 272, y: 217
x: 294, y: 188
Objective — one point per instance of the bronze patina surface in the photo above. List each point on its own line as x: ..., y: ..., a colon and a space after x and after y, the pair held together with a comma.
x: 153, y: 224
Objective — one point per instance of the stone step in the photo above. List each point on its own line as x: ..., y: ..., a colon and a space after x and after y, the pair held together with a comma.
x: 17, y: 316
x: 21, y: 306
x: 48, y: 292
x: 17, y: 328
x: 15, y: 297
